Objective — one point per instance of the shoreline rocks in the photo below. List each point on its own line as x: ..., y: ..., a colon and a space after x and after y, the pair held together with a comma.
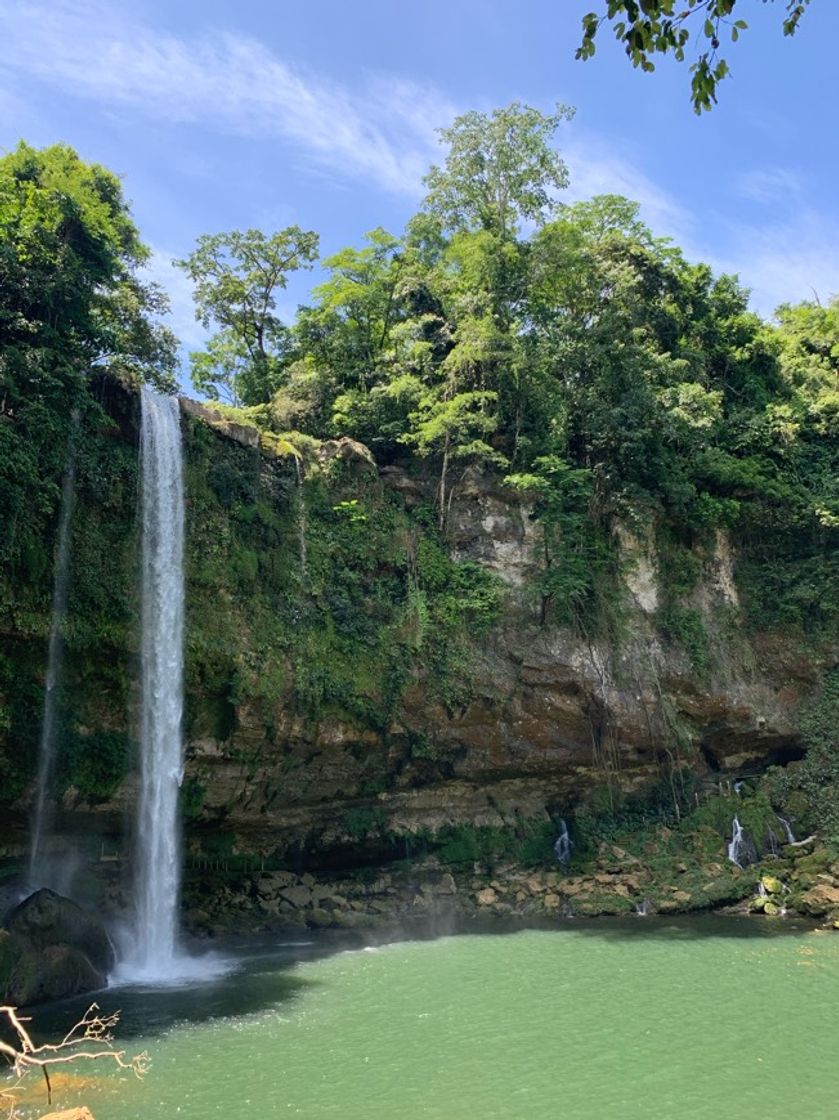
x: 51, y: 948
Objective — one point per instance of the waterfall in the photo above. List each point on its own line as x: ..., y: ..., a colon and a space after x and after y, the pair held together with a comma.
x: 741, y: 848
x: 736, y: 842
x: 787, y: 827
x: 563, y: 844
x: 41, y: 871
x: 161, y: 755
x: 301, y: 520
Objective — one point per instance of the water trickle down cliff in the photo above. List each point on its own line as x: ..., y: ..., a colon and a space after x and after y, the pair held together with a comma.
x: 45, y: 867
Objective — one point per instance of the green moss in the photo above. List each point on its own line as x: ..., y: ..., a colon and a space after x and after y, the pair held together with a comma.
x: 809, y: 790
x: 528, y: 842
x: 94, y: 763
x: 192, y: 794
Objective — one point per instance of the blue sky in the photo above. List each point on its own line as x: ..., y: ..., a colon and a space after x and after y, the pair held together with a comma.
x: 267, y: 113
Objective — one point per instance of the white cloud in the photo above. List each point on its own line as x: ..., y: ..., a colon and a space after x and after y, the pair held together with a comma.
x: 231, y: 83
x: 785, y: 261
x: 596, y: 168
x: 768, y: 185
x: 381, y: 131
x: 161, y: 269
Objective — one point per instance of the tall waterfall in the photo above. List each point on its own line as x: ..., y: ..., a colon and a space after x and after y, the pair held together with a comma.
x: 161, y: 763
x: 41, y: 871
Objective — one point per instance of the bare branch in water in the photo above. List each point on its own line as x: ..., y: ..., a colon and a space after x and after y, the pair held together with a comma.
x: 90, y: 1039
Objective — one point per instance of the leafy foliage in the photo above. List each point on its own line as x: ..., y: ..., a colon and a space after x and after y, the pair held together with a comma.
x: 562, y: 352
x: 649, y: 27
x: 808, y: 790
x: 236, y: 277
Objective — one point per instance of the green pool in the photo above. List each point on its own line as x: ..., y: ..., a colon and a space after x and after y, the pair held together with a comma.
x: 648, y: 1018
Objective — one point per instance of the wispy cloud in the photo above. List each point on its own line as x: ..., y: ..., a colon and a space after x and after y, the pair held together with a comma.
x: 383, y: 131
x: 161, y: 269
x: 784, y: 261
x: 597, y: 168
x: 768, y: 185
x: 380, y: 130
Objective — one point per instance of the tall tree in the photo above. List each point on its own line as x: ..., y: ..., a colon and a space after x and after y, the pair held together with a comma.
x: 237, y: 276
x: 71, y: 303
x: 500, y: 169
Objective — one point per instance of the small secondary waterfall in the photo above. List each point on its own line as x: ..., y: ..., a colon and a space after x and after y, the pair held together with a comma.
x: 787, y: 827
x: 741, y: 848
x: 41, y: 871
x: 301, y: 521
x: 735, y: 845
x: 161, y: 764
x: 563, y: 844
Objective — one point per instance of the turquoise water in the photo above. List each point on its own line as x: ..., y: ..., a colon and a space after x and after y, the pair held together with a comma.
x: 653, y: 1019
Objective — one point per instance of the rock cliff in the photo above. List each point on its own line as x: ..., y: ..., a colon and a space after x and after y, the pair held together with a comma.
x: 351, y: 683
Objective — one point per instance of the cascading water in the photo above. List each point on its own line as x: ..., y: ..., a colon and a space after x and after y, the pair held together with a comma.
x: 161, y: 754
x: 735, y: 845
x: 741, y: 848
x: 301, y: 521
x: 787, y: 827
x: 563, y: 844
x: 42, y: 873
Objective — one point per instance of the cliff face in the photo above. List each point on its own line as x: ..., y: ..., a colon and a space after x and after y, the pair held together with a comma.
x: 550, y: 718
x: 350, y: 681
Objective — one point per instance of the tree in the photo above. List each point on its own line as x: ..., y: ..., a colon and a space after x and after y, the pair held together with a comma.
x: 648, y: 27
x: 71, y: 299
x: 71, y: 305
x: 357, y: 308
x: 453, y: 426
x: 499, y: 170
x: 90, y: 1039
x: 236, y: 277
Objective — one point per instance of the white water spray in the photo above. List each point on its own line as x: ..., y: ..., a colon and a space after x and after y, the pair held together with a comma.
x: 41, y: 871
x: 161, y: 753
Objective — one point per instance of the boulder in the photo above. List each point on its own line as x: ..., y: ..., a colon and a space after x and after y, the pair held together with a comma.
x: 347, y: 451
x: 46, y: 919
x: 772, y: 884
x: 820, y: 899
x: 299, y: 897
x: 52, y: 973
x: 447, y: 884
x: 52, y: 948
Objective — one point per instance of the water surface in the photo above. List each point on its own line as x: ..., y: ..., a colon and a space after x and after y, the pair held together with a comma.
x: 648, y: 1018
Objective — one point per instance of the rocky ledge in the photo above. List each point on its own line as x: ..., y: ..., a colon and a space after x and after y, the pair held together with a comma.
x: 614, y: 882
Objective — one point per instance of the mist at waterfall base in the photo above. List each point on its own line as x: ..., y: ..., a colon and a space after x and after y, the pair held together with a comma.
x: 618, y: 1018
x: 151, y: 953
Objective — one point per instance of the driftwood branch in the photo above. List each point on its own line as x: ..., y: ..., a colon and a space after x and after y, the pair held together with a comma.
x: 90, y: 1039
